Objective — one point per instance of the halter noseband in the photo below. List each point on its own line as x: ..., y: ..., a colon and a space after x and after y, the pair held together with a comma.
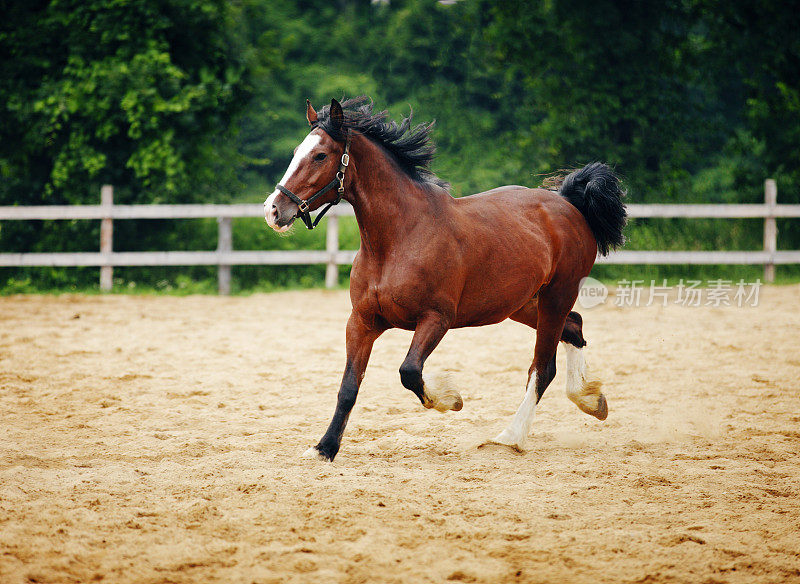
x: 303, y: 205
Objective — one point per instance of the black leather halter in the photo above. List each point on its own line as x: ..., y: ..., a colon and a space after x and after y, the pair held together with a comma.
x: 303, y: 205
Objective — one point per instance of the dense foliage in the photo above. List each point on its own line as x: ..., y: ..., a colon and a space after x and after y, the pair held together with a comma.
x: 202, y: 100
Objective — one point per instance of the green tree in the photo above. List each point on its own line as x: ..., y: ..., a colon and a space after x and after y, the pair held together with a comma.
x: 140, y: 94
x: 137, y: 93
x: 193, y: 100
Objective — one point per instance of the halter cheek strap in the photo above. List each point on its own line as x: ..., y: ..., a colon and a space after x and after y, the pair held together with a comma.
x: 304, y: 211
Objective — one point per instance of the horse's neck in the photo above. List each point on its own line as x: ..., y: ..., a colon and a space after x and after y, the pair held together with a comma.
x: 387, y: 203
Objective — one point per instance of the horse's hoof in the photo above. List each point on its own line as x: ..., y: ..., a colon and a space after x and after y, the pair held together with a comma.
x: 602, y: 409
x: 444, y: 401
x: 449, y: 400
x: 504, y: 439
x: 313, y: 453
x: 590, y: 399
x: 442, y: 398
x: 595, y: 405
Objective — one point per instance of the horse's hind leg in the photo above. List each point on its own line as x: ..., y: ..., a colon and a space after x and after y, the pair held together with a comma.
x: 573, y: 331
x: 552, y: 310
x: 582, y: 390
x: 427, y: 335
x: 573, y: 327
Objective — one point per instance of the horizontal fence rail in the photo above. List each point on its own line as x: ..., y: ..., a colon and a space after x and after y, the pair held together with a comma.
x: 132, y: 211
x: 177, y: 258
x: 225, y: 256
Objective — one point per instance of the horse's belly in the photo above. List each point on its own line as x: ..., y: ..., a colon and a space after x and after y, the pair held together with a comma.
x: 491, y: 295
x: 490, y: 307
x: 480, y: 320
x: 479, y: 286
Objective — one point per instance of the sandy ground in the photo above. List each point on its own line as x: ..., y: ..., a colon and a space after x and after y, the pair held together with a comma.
x: 157, y: 439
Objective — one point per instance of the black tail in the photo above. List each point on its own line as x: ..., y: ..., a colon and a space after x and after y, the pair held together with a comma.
x: 597, y: 193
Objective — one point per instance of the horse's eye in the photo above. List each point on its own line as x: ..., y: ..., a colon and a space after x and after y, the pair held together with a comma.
x: 320, y: 157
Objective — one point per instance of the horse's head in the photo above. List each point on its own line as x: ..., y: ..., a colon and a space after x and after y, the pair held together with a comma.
x: 314, y: 177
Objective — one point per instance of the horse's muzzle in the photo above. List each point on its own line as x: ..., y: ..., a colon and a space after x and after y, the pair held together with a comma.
x: 276, y: 219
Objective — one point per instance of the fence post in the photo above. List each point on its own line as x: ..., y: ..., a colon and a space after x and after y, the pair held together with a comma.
x: 224, y: 244
x: 770, y: 227
x: 107, y: 237
x: 332, y: 247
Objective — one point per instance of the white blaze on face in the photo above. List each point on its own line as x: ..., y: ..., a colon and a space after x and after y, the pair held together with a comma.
x: 305, y: 148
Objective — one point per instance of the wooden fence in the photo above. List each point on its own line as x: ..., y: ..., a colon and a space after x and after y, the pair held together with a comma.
x: 225, y: 256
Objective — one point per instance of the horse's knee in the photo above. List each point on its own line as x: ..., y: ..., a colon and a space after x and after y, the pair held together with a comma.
x: 347, y: 397
x: 411, y: 376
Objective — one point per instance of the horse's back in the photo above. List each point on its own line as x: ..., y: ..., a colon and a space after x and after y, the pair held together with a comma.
x: 499, y: 190
x: 519, y: 219
x: 525, y: 205
x: 518, y: 194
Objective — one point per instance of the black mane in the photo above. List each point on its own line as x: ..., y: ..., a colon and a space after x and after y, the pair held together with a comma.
x: 411, y: 147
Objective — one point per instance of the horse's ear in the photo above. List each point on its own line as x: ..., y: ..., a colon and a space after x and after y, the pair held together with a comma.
x: 311, y: 115
x: 337, y: 115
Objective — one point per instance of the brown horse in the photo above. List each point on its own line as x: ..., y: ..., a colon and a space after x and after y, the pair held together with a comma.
x: 429, y: 262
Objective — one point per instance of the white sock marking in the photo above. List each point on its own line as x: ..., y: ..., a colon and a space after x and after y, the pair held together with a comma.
x: 516, y: 435
x: 583, y: 393
x: 315, y: 454
x: 576, y: 371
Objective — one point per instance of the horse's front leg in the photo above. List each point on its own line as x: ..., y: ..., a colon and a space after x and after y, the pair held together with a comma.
x: 427, y: 335
x: 360, y: 338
